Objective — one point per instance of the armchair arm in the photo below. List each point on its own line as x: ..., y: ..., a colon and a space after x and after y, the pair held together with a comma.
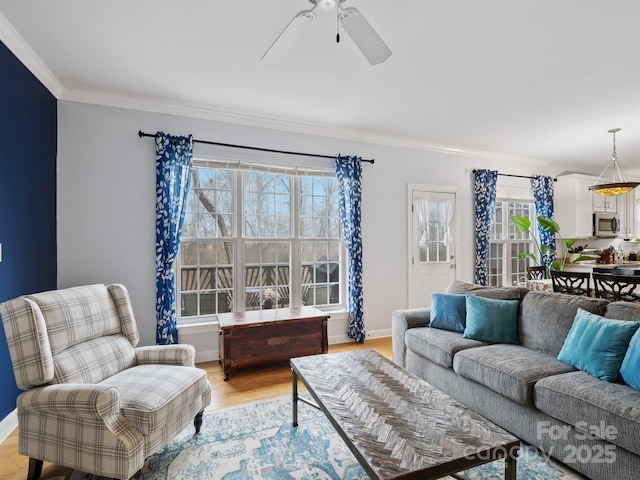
x: 72, y: 399
x: 401, y: 321
x: 182, y: 355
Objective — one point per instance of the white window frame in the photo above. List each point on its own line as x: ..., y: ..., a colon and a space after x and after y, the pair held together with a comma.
x: 506, y: 277
x: 239, y: 240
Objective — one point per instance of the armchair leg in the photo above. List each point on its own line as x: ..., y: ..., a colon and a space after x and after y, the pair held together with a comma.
x: 197, y: 421
x: 35, y: 469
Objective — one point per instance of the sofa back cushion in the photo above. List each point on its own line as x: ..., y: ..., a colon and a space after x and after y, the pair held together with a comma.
x: 546, y: 318
x: 498, y: 293
x: 624, y: 311
x: 70, y: 335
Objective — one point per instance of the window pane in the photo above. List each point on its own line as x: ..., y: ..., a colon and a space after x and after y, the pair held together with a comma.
x: 267, y: 198
x: 267, y: 267
x: 319, y: 210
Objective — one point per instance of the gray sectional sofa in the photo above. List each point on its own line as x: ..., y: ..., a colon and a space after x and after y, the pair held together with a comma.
x: 591, y: 425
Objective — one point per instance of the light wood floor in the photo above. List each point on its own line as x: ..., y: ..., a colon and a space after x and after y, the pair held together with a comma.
x: 246, y: 385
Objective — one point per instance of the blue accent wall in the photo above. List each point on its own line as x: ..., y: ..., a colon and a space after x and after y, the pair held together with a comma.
x: 28, y: 133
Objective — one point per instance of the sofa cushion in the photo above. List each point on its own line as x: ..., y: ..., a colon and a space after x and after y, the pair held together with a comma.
x: 500, y: 293
x: 623, y: 311
x: 511, y: 370
x: 448, y: 311
x: 491, y: 320
x: 630, y: 368
x: 439, y: 346
x: 150, y: 395
x: 588, y: 403
x: 597, y: 345
x: 545, y: 318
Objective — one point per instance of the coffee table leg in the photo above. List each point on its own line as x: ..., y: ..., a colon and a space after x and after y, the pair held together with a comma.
x: 295, y: 397
x: 510, y: 466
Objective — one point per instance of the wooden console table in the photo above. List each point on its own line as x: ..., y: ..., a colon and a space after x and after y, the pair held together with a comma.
x: 258, y: 337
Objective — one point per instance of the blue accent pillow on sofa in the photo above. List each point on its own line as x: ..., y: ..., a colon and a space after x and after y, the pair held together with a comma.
x: 448, y: 311
x: 491, y: 320
x: 597, y: 345
x: 630, y: 369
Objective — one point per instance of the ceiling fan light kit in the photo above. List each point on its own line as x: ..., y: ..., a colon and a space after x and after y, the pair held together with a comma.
x: 353, y: 22
x: 618, y: 184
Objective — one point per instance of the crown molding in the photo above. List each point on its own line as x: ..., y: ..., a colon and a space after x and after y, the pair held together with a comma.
x: 23, y: 52
x: 252, y: 119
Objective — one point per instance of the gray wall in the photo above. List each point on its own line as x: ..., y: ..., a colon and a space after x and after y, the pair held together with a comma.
x: 106, y: 216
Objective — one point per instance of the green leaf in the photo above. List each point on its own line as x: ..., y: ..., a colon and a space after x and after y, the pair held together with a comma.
x: 548, y: 224
x: 521, y: 223
x: 569, y: 242
x: 527, y: 255
x: 583, y: 258
x: 556, y: 266
x: 547, y: 250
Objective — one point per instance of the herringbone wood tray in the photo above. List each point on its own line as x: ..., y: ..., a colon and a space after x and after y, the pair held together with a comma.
x: 397, y: 425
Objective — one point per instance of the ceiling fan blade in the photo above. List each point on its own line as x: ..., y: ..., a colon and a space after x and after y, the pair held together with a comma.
x: 364, y: 36
x: 289, y: 37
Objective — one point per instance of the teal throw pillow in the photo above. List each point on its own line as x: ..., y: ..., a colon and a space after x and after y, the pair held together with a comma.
x: 630, y: 369
x: 491, y: 320
x: 448, y: 311
x: 597, y: 345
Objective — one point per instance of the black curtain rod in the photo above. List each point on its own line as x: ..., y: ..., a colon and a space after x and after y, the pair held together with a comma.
x: 516, y: 176
x: 143, y: 134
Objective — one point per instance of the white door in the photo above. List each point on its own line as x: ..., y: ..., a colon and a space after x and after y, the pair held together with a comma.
x: 432, y: 263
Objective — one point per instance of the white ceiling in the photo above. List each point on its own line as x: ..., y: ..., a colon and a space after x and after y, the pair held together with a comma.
x: 537, y: 79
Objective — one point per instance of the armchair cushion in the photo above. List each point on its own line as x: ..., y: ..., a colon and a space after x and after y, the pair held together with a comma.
x: 152, y: 394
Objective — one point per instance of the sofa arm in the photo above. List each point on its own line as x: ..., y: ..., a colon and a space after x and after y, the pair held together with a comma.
x: 401, y: 321
x: 80, y: 400
x: 181, y: 354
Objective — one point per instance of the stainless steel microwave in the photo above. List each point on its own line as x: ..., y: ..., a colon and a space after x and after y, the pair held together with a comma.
x: 605, y: 225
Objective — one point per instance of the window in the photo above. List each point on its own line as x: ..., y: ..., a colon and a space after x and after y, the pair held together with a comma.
x: 256, y: 238
x: 507, y: 242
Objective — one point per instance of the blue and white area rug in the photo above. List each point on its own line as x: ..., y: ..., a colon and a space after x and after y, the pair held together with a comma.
x: 257, y: 441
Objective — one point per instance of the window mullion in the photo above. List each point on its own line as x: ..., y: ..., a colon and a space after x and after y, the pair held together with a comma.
x: 296, y: 245
x: 239, y: 240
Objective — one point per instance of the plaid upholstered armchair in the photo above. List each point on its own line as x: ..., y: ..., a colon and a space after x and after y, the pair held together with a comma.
x: 91, y: 400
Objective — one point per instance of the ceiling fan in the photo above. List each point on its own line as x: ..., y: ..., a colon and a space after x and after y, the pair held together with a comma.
x: 356, y: 26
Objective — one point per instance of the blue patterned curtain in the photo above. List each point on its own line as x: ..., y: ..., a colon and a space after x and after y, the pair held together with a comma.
x: 543, y: 196
x: 484, y: 188
x: 349, y: 173
x: 173, y: 173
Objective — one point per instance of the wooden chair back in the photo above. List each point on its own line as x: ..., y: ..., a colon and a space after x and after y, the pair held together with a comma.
x: 573, y: 283
x: 617, y: 287
x: 537, y: 272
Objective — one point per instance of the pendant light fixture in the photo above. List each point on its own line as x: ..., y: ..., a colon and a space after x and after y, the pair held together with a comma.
x: 618, y: 185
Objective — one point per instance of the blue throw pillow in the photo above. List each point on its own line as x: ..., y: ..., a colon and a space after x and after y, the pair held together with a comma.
x: 630, y: 369
x: 597, y: 345
x: 491, y: 320
x: 448, y: 311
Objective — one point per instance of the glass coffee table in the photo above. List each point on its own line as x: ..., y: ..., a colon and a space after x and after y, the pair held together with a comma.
x: 396, y: 424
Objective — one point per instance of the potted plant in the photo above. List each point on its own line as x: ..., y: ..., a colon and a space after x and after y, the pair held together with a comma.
x: 523, y: 224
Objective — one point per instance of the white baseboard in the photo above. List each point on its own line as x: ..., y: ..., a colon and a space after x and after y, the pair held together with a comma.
x: 208, y: 356
x: 8, y: 425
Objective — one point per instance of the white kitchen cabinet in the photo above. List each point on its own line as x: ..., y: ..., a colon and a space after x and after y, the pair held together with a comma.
x: 604, y: 204
x: 627, y: 215
x: 573, y: 205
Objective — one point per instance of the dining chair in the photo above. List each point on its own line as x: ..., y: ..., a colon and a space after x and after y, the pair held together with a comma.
x: 617, y: 287
x: 573, y: 283
x: 537, y: 272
